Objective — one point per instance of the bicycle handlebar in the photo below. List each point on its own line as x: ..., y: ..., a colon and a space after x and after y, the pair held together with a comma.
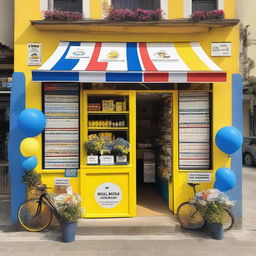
x: 42, y: 187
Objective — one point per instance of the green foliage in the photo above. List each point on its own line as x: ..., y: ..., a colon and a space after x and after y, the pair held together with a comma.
x: 69, y: 213
x: 213, y: 212
x: 31, y: 178
x: 94, y: 145
x: 68, y: 207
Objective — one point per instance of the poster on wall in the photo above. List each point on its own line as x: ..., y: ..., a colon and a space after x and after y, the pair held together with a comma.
x: 61, y: 136
x: 108, y: 195
x: 34, y: 54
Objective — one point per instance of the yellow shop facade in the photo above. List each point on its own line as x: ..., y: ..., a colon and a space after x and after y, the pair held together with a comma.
x: 166, y: 87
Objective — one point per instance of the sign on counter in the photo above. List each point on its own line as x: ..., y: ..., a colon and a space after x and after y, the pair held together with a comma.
x: 221, y: 49
x: 34, y: 54
x: 198, y: 177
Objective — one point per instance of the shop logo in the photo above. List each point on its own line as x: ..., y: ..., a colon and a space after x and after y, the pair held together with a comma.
x: 78, y: 53
x: 161, y: 54
x: 113, y: 54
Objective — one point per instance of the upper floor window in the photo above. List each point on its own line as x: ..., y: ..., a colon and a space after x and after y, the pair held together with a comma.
x: 135, y: 4
x: 204, y: 5
x: 67, y: 5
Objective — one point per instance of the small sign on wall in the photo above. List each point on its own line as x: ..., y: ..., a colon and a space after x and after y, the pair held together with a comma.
x: 34, y: 54
x: 221, y: 49
x: 198, y: 177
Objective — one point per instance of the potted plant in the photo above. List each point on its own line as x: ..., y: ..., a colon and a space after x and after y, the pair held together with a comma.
x: 93, y: 148
x: 31, y: 178
x: 212, y: 204
x: 68, y: 207
x: 106, y: 158
x: 120, y: 148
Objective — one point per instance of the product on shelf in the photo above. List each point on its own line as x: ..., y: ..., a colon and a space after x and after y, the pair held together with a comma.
x: 119, y: 106
x: 94, y: 106
x: 108, y: 105
x: 106, y: 123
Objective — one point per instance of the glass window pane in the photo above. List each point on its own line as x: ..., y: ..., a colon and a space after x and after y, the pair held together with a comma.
x: 68, y: 5
x: 135, y: 4
x: 204, y: 5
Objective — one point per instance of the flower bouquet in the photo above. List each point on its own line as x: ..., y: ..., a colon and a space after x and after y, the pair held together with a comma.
x: 212, y: 205
x: 120, y: 148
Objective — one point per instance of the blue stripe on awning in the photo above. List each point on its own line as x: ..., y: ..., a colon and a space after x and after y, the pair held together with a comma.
x: 123, y: 77
x: 133, y: 62
x: 55, y: 76
x: 66, y: 64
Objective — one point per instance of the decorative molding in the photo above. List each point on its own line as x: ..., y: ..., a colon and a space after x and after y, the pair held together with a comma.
x: 44, y: 5
x: 86, y: 8
x: 187, y: 8
x: 164, y: 6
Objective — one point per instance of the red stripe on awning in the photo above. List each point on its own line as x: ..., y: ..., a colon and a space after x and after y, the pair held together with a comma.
x: 148, y: 64
x: 156, y: 77
x: 206, y: 77
x: 94, y: 65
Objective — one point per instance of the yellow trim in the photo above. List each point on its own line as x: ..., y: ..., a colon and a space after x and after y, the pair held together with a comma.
x: 175, y: 9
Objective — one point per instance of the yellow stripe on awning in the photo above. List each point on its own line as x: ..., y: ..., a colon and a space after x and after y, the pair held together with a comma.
x: 188, y: 55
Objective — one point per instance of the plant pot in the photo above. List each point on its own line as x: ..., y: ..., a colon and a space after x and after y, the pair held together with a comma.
x: 107, y: 160
x: 92, y: 160
x: 68, y: 230
x: 216, y: 230
x: 121, y: 160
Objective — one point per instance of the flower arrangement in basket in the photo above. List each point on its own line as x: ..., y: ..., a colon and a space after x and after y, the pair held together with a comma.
x: 211, y: 204
x: 62, y: 15
x: 68, y: 207
x: 120, y: 148
x: 138, y: 15
x: 208, y: 15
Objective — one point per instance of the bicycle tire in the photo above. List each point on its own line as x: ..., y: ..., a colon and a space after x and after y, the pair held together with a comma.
x: 228, y: 220
x: 189, y: 217
x: 32, y: 220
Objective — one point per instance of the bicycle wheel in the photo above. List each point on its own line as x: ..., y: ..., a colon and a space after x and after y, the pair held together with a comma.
x: 33, y: 217
x: 228, y: 220
x: 189, y: 217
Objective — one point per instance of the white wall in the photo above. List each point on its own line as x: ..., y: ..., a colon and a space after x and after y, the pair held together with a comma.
x: 246, y: 14
x: 6, y: 22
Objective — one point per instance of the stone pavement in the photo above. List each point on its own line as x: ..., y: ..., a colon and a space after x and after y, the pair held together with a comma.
x: 158, y: 236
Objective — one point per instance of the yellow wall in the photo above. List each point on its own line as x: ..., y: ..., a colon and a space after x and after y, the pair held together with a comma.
x: 25, y: 33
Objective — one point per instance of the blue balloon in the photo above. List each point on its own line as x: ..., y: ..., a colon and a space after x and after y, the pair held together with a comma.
x: 229, y: 139
x: 31, y: 121
x: 225, y: 179
x: 30, y: 163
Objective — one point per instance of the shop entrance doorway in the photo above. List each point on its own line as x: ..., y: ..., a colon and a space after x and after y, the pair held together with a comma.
x: 154, y: 152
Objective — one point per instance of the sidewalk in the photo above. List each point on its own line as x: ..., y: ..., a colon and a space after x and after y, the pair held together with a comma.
x: 157, y: 236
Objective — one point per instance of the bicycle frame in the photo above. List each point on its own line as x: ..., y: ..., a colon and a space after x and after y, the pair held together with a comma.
x: 43, y: 198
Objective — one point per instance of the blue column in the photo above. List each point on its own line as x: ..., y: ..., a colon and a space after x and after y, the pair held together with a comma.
x: 236, y: 162
x: 16, y: 171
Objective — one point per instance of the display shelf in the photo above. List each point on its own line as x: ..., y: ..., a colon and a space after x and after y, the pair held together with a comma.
x: 107, y: 112
x: 107, y: 128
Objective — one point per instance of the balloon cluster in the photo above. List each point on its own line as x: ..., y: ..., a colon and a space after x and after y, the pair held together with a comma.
x: 229, y: 140
x: 32, y: 122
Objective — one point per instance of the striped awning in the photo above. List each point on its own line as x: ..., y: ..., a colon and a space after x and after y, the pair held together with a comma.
x: 129, y: 62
